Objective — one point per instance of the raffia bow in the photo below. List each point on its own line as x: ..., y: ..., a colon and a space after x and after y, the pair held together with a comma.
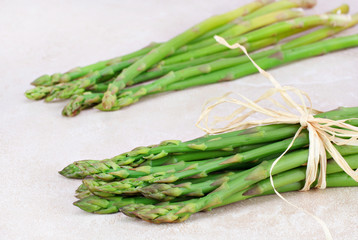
x: 323, y: 133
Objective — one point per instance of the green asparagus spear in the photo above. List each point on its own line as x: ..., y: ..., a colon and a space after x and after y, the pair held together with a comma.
x: 95, y: 204
x: 48, y: 80
x: 81, y: 102
x: 245, y: 26
x: 125, y: 172
x: 199, y: 155
x: 272, y: 7
x: 82, y: 192
x: 168, y: 192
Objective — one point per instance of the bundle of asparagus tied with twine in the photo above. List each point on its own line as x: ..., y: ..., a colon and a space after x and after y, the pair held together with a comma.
x: 193, y: 58
x: 168, y: 182
x: 172, y: 180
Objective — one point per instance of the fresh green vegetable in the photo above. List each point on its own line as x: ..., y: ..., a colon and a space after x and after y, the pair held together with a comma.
x: 191, y: 58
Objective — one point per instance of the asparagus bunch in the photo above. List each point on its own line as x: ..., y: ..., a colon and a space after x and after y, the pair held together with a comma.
x: 170, y: 181
x: 66, y: 90
x: 216, y: 71
x: 179, y: 63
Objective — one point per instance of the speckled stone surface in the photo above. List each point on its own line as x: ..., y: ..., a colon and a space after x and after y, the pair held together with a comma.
x: 40, y: 37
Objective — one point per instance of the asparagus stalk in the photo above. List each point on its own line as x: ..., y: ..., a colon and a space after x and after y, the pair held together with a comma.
x: 128, y: 186
x: 125, y: 172
x: 170, y: 46
x: 82, y: 192
x: 245, y: 26
x: 81, y: 102
x: 201, y: 155
x: 272, y: 7
x: 95, y: 204
x: 39, y: 92
x: 168, y: 192
x: 48, y: 80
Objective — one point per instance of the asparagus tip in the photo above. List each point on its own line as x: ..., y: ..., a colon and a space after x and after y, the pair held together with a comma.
x: 42, y: 80
x: 71, y: 171
x: 108, y: 101
x: 86, y: 206
x: 72, y: 108
x: 37, y: 93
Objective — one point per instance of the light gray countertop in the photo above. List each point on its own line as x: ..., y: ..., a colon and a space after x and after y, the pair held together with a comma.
x: 38, y: 37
